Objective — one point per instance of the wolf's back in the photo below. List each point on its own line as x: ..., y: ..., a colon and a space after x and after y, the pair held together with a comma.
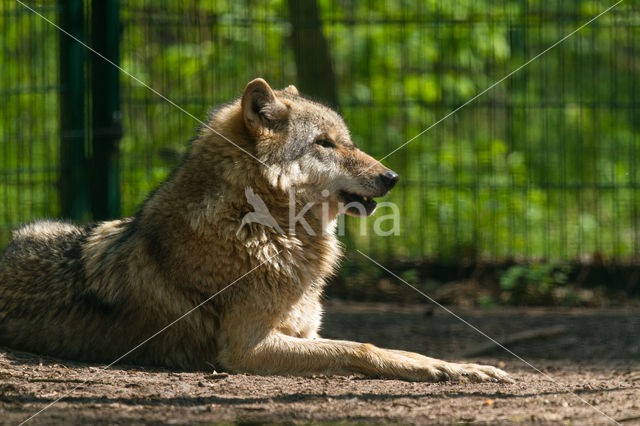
x: 41, y: 287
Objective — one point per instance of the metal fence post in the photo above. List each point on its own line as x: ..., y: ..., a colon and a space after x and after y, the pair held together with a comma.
x: 74, y: 200
x: 106, y: 116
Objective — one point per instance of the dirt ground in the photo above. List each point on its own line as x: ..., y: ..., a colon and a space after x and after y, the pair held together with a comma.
x: 591, y: 358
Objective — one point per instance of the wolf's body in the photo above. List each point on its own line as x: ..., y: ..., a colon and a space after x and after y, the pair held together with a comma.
x: 94, y: 293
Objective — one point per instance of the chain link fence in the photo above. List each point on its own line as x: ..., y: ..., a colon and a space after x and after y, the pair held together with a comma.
x: 543, y: 166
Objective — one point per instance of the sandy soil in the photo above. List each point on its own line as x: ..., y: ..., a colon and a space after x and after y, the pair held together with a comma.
x: 591, y: 359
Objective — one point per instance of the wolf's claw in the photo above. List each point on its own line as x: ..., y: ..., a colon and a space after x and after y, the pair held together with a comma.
x: 444, y: 376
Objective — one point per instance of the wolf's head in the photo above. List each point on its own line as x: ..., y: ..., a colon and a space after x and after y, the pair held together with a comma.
x: 307, y: 146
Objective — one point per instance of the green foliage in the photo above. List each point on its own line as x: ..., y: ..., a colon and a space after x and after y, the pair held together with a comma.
x: 532, y: 284
x: 411, y: 276
x: 542, y: 166
x: 487, y: 301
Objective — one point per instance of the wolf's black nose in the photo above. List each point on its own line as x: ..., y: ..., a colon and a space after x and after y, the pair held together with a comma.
x: 389, y: 178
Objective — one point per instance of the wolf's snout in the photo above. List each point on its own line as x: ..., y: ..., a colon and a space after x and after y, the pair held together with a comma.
x: 389, y: 179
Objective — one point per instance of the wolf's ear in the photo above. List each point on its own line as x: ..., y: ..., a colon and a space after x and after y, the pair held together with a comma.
x: 260, y: 106
x: 292, y: 90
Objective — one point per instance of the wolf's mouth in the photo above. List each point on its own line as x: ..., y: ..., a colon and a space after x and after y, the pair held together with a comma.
x: 358, y: 205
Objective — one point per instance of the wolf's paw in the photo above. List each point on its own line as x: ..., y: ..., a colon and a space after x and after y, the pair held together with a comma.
x: 442, y: 371
x: 416, y: 367
x: 448, y: 371
x: 484, y: 373
x: 435, y: 370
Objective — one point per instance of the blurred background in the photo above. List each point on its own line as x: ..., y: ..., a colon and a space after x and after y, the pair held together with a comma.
x: 528, y: 195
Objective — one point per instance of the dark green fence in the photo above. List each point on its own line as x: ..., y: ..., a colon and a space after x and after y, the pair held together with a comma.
x: 29, y: 116
x: 545, y: 165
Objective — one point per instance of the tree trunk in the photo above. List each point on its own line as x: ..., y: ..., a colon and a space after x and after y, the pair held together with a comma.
x: 311, y: 50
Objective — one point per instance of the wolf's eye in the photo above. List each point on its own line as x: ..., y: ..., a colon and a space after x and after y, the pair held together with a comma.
x: 325, y: 142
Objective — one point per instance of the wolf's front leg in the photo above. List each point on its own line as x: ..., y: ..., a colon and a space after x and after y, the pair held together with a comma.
x: 286, y: 355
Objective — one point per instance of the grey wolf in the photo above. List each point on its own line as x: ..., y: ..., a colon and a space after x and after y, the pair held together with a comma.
x: 92, y: 293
